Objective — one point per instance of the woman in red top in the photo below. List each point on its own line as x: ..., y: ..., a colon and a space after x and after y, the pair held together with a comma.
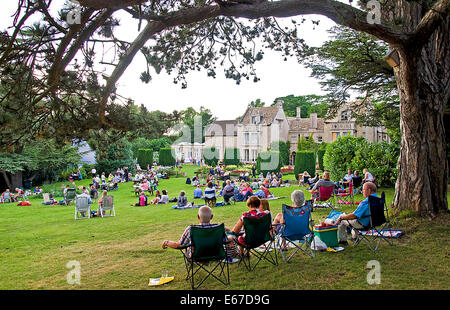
x: 253, y: 204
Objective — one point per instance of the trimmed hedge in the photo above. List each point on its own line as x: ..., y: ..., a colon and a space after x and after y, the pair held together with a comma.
x: 268, y: 162
x: 305, y: 161
x: 145, y: 157
x: 166, y: 158
x: 283, y: 148
x: 211, y: 156
x: 231, y: 157
x: 320, y: 155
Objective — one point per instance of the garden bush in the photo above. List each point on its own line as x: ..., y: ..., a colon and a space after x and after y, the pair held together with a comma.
x: 356, y: 154
x: 211, y: 156
x: 165, y: 157
x: 320, y: 154
x: 231, y: 157
x: 145, y: 157
x: 305, y: 161
x: 268, y: 161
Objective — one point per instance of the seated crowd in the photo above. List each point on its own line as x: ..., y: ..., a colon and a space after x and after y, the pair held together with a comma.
x: 258, y: 208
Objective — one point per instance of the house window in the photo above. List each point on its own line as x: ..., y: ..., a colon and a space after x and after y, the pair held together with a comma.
x: 293, y: 139
x: 254, y: 155
x: 255, y: 119
x: 246, y: 155
x: 246, y: 138
x: 319, y: 139
x: 344, y: 116
x: 255, y: 138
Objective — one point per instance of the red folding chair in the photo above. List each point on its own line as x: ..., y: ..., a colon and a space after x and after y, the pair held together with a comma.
x: 345, y: 197
x: 325, y: 197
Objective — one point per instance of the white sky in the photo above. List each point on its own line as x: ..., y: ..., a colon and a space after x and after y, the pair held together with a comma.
x: 222, y: 96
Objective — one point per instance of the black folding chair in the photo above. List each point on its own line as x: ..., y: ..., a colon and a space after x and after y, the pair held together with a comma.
x: 258, y: 235
x: 379, y: 221
x: 208, y: 253
x: 357, y: 184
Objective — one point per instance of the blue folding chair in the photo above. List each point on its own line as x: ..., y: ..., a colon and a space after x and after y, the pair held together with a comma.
x: 296, y: 231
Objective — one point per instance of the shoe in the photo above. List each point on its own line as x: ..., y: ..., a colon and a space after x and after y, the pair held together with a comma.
x: 343, y: 242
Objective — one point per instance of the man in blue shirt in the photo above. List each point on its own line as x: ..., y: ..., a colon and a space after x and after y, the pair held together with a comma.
x: 360, y: 217
x: 198, y: 193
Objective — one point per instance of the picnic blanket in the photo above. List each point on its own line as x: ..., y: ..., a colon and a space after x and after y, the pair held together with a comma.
x: 274, y: 198
x: 387, y: 233
x: 218, y: 204
x: 187, y: 207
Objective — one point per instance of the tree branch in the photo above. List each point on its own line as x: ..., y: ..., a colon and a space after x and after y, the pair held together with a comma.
x: 429, y: 23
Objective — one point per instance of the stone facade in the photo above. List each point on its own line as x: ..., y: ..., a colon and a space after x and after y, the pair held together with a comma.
x: 260, y: 126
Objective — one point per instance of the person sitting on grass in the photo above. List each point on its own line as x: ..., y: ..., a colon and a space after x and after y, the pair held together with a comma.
x: 260, y: 193
x: 93, y: 193
x: 164, y: 197
x: 6, y: 195
x: 359, y: 218
x: 157, y: 198
x: 182, y: 199
x: 142, y: 200
x: 198, y: 193
x: 274, y: 183
x: 247, y: 191
x: 204, y: 217
x: 100, y: 203
x: 228, y: 192
x: 210, y: 195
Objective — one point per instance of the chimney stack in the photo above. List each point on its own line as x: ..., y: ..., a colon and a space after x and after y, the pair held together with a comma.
x: 298, y: 112
x: 313, y: 118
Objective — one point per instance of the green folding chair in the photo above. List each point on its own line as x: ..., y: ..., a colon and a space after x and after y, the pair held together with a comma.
x: 71, y: 194
x: 258, y: 241
x: 207, y: 253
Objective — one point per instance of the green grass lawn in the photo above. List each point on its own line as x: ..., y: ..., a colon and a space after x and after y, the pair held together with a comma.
x: 123, y: 252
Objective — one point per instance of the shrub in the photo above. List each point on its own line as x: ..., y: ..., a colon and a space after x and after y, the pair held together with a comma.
x: 165, y: 157
x: 211, y: 156
x: 268, y: 162
x: 356, y: 154
x: 305, y: 161
x: 283, y: 148
x: 231, y: 156
x: 144, y: 157
x: 320, y: 155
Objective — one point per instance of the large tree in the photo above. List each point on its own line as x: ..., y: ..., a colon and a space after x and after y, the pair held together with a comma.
x: 196, y: 34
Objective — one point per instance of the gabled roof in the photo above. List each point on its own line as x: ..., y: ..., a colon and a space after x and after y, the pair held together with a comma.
x: 222, y: 128
x: 304, y: 124
x: 268, y: 114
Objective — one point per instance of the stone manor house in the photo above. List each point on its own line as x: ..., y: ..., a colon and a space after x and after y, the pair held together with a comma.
x: 261, y: 126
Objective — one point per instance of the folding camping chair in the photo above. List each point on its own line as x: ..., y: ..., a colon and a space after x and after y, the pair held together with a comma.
x: 379, y: 221
x: 326, y: 198
x: 107, y: 205
x: 206, y: 252
x: 346, y: 196
x: 70, y: 195
x: 46, y: 197
x: 257, y: 234
x: 82, y: 206
x: 296, y: 231
x: 357, y: 184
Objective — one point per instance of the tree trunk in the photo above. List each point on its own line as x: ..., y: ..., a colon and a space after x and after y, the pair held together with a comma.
x: 423, y: 80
